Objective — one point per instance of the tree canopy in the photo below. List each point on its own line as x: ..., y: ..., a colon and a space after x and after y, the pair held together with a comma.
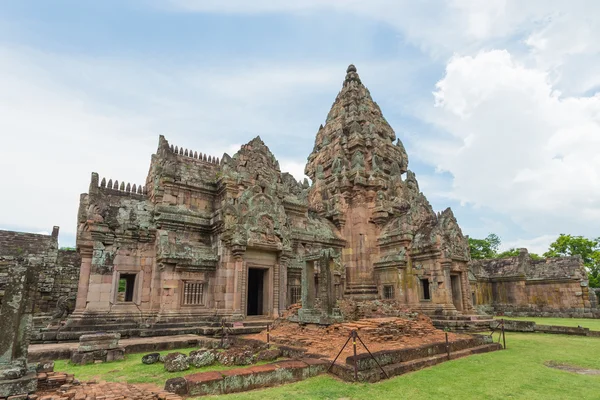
x: 484, y: 248
x: 488, y: 248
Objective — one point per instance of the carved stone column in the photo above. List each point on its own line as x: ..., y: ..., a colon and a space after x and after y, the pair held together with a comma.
x: 239, y: 281
x: 447, y: 281
x: 466, y: 292
x: 308, y: 285
x: 326, y: 283
x: 16, y: 315
x: 282, y: 282
x: 84, y: 278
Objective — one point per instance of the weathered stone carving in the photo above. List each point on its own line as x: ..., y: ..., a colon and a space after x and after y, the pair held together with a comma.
x: 16, y: 376
x: 357, y: 166
x: 58, y: 268
x: 63, y: 308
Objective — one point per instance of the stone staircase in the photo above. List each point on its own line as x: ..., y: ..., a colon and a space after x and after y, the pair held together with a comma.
x: 400, y: 361
x: 128, y: 329
x: 462, y: 323
x: 361, y: 292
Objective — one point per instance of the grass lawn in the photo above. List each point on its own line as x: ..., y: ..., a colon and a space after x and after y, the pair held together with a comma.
x: 132, y: 370
x: 516, y: 373
x: 593, y: 324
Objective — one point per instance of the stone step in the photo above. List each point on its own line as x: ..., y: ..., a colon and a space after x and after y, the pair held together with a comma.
x: 374, y: 374
x: 413, y: 365
x: 188, y: 324
x: 361, y: 289
x: 462, y: 317
x: 161, y: 329
x: 362, y: 292
x: 108, y: 327
x: 200, y: 330
x: 262, y: 323
x: 463, y: 325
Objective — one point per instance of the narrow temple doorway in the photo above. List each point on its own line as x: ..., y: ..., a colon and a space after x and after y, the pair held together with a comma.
x: 256, y: 279
x: 456, y: 292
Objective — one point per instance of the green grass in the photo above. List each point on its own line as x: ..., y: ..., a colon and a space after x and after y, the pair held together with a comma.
x: 592, y: 324
x: 516, y: 373
x: 132, y: 370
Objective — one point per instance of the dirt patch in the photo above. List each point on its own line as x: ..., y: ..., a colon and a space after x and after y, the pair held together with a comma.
x: 572, y: 368
x: 377, y: 333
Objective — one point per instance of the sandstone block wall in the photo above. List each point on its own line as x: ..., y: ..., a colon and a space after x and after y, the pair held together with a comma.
x: 523, y: 286
x: 59, y: 269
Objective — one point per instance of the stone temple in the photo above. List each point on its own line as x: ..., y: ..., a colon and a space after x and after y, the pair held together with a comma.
x: 234, y: 237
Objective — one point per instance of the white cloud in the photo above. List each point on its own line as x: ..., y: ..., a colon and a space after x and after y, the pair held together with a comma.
x: 519, y: 147
x: 521, y: 128
x: 439, y: 27
x: 293, y: 167
x: 538, y: 245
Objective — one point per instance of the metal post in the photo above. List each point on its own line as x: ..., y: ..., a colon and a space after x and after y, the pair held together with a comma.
x: 268, y: 336
x: 503, y: 336
x: 342, y: 349
x: 355, y: 361
x: 372, y: 356
x: 447, y: 346
x: 222, y: 333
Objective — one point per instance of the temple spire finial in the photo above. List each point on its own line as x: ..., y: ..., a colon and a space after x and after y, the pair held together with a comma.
x: 351, y: 74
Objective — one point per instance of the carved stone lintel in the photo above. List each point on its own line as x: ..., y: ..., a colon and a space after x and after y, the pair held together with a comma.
x: 238, y: 251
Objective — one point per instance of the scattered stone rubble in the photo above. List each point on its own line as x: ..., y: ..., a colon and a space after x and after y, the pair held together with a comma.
x: 175, y: 362
x: 96, y: 348
x: 202, y: 358
x: 242, y: 353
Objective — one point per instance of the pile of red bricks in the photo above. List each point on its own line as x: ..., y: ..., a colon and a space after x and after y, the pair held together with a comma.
x: 48, y: 381
x: 105, y: 391
x: 387, y: 329
x: 378, y: 334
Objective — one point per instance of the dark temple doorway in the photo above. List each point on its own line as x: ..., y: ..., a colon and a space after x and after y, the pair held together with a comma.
x: 256, y: 279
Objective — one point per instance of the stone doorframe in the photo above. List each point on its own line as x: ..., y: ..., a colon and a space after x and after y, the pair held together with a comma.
x: 456, y: 290
x: 269, y: 298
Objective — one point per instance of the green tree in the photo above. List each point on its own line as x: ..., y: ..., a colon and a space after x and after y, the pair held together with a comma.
x: 484, y: 248
x: 512, y: 252
x: 488, y: 248
x: 588, y: 249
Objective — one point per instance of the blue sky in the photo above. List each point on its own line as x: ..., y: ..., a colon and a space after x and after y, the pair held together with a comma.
x: 496, y: 102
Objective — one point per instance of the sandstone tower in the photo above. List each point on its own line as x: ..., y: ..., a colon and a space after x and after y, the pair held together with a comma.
x: 395, y: 244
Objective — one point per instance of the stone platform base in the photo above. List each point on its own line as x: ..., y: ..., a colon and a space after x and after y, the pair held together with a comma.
x: 248, y: 378
x: 63, y: 351
x: 22, y: 386
x: 401, y: 361
x: 462, y: 323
